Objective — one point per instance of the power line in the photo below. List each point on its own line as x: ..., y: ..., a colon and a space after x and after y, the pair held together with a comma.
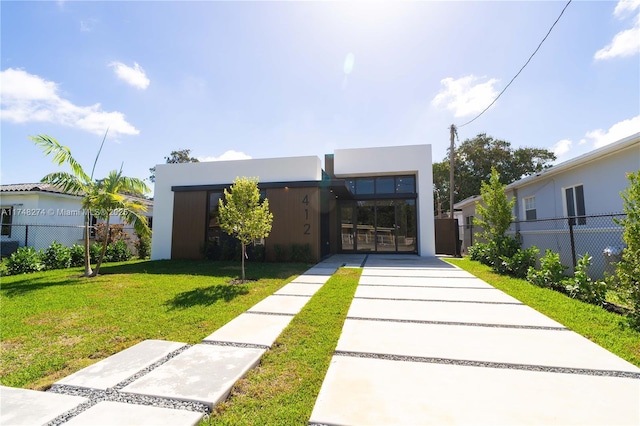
x: 523, y: 67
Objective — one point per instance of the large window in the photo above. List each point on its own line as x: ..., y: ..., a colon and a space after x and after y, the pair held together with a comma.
x: 574, y: 203
x: 7, y: 215
x: 384, y: 185
x: 530, y: 208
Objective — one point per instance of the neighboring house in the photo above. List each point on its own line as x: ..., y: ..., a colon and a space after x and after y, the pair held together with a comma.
x: 36, y: 214
x: 586, y: 189
x: 369, y: 200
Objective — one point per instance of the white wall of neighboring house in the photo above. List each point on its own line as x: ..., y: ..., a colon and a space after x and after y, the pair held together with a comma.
x: 410, y: 159
x: 218, y: 172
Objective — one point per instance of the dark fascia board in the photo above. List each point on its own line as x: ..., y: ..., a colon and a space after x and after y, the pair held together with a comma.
x: 266, y: 185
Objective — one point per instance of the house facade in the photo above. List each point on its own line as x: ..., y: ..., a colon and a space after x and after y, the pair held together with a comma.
x: 579, y: 197
x: 369, y: 200
x: 36, y: 214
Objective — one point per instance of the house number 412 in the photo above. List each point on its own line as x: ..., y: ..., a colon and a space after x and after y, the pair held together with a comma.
x: 307, y: 226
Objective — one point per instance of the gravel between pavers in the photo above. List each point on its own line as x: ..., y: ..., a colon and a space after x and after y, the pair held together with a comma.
x: 490, y: 364
x: 437, y: 300
x: 113, y: 394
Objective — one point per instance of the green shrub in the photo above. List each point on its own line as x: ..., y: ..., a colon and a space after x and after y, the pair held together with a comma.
x: 77, y: 255
x: 57, y: 256
x: 628, y: 269
x: 482, y: 252
x: 4, y: 270
x: 301, y: 253
x: 281, y: 252
x: 228, y: 250
x: 551, y: 273
x: 94, y: 252
x: 117, y: 252
x: 143, y: 247
x: 518, y: 263
x: 257, y: 254
x: 582, y: 287
x: 25, y: 260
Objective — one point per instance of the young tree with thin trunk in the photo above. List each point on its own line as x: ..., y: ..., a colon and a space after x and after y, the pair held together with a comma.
x: 243, y: 215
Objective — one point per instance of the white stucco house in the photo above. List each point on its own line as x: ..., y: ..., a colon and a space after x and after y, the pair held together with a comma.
x: 578, y: 196
x: 367, y: 200
x: 36, y: 214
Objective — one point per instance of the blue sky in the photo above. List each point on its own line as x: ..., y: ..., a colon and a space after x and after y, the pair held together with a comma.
x: 269, y: 79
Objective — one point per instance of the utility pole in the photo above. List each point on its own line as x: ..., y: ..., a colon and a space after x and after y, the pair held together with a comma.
x: 454, y: 132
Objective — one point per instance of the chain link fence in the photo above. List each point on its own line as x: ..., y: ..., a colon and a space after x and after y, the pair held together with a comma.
x: 41, y: 236
x: 571, y: 237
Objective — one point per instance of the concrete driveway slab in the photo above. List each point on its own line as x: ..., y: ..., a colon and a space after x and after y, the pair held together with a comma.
x: 202, y: 373
x: 110, y: 413
x: 462, y: 282
x: 416, y: 272
x: 435, y: 293
x: 380, y: 392
x: 28, y: 407
x: 470, y: 313
x: 118, y: 367
x: 299, y: 289
x: 321, y: 270
x: 290, y: 305
x: 552, y: 348
x: 255, y: 329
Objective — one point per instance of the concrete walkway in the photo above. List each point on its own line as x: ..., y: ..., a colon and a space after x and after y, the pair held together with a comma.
x: 160, y: 383
x: 427, y: 343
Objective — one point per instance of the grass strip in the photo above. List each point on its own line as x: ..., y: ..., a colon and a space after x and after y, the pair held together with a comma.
x: 593, y: 322
x: 283, y: 389
x: 57, y: 322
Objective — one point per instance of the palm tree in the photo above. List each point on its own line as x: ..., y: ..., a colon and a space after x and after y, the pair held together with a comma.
x: 99, y: 198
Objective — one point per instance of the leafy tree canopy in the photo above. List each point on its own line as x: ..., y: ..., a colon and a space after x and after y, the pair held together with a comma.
x: 243, y: 215
x: 473, y: 160
x: 179, y: 156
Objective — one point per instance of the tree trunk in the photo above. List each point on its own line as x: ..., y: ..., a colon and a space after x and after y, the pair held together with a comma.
x: 87, y: 256
x: 243, y: 254
x: 104, y: 249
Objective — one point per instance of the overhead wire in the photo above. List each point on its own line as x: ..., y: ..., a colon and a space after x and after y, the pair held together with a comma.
x: 521, y: 69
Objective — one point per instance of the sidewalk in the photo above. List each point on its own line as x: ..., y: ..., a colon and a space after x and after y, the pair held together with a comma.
x: 160, y: 383
x: 427, y: 343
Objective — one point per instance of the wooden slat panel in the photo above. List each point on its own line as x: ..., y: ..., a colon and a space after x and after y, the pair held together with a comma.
x: 296, y: 219
x: 189, y: 215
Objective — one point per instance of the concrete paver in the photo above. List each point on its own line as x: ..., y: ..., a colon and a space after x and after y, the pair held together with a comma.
x: 300, y: 289
x: 435, y: 293
x: 461, y: 282
x: 109, y: 413
x: 28, y: 407
x: 417, y: 272
x: 280, y: 304
x: 120, y: 366
x: 202, y: 373
x: 255, y: 329
x: 380, y: 392
x: 471, y: 313
x: 311, y: 279
x: 553, y: 348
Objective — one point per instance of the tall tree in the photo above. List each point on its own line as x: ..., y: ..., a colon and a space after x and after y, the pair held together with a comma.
x: 243, y: 215
x: 494, y: 213
x: 98, y: 197
x: 179, y: 156
x: 474, y: 159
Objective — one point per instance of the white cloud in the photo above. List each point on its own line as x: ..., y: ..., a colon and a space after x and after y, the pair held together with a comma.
x: 561, y: 147
x: 466, y: 95
x: 626, y: 42
x: 87, y: 25
x: 29, y: 98
x: 135, y: 76
x: 616, y: 132
x: 227, y: 156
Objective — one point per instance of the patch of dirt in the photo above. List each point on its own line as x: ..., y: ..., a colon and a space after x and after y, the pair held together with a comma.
x: 69, y: 340
x: 247, y: 281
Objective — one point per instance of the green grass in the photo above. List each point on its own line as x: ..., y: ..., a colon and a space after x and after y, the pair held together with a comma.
x: 593, y: 322
x: 284, y: 388
x: 56, y: 322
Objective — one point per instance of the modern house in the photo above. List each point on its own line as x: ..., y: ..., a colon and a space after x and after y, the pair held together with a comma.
x: 370, y: 200
x: 36, y: 214
x: 571, y: 203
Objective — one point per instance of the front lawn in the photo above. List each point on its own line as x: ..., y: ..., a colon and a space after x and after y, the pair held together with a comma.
x: 595, y: 323
x: 56, y: 322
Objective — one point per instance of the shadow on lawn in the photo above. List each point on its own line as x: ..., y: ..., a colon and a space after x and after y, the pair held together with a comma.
x: 207, y: 268
x: 29, y: 284
x: 206, y: 296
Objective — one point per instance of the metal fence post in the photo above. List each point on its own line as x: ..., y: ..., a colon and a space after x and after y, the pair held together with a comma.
x: 573, y: 242
x: 26, y: 235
